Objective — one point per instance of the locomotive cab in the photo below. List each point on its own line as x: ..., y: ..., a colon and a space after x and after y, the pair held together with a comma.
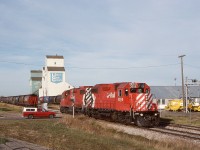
x: 135, y: 101
x: 145, y: 112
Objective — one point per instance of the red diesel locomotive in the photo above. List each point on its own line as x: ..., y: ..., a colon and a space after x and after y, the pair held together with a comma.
x: 122, y: 102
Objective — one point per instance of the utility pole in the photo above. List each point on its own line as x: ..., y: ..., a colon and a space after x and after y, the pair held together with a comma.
x: 186, y: 95
x: 184, y: 102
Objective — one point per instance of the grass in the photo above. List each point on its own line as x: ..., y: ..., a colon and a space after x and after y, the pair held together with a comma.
x: 182, y: 118
x: 58, y: 135
x: 80, y: 133
x: 5, y: 109
x: 8, y: 107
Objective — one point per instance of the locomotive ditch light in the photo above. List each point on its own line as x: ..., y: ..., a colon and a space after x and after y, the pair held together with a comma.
x: 156, y: 114
x: 141, y: 115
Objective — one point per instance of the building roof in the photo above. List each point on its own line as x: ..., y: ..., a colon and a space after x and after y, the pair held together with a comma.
x: 55, y: 68
x: 55, y: 57
x: 36, y: 71
x: 36, y: 78
x: 171, y: 92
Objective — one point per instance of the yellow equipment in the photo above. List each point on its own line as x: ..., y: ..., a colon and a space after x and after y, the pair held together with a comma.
x: 194, y: 105
x: 175, y: 105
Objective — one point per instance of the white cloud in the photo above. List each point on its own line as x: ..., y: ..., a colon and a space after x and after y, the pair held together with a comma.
x: 101, y: 34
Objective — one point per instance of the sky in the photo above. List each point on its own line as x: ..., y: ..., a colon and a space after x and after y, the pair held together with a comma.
x: 102, y: 41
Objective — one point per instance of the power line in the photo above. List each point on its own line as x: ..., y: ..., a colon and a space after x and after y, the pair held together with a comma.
x: 99, y: 67
x: 19, y: 63
x: 132, y: 67
x: 192, y: 66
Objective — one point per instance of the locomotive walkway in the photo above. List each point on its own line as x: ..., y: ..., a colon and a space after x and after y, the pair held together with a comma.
x: 14, y: 144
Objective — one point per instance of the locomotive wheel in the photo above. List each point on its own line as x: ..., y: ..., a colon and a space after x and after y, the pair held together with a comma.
x: 157, y: 121
x: 62, y: 110
x: 113, y: 116
x: 84, y: 111
x: 121, y: 118
x: 97, y: 115
x: 128, y: 120
x: 30, y: 116
x: 140, y: 121
x: 89, y: 113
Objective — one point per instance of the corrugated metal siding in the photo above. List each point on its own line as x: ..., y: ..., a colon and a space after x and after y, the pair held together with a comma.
x: 171, y: 92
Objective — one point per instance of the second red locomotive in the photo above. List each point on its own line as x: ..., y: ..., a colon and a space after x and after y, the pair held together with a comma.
x: 123, y: 102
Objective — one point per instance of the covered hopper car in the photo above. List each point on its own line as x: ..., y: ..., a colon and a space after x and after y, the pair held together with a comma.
x: 23, y: 100
x: 50, y: 99
x: 122, y: 102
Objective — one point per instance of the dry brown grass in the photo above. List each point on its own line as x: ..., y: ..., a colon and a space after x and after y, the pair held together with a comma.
x: 182, y: 118
x: 80, y: 132
x: 84, y: 123
x: 10, y: 107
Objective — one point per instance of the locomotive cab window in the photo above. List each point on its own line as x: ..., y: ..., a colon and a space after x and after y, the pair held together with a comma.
x: 94, y: 90
x: 126, y: 92
x: 137, y: 90
x: 82, y: 92
x: 140, y: 90
x: 133, y: 90
x: 120, y: 93
x: 147, y: 90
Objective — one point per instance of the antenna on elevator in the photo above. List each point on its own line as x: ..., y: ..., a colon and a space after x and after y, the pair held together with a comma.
x: 175, y: 81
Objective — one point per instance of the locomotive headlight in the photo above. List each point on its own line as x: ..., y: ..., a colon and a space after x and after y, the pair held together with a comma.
x: 141, y: 114
x: 155, y: 114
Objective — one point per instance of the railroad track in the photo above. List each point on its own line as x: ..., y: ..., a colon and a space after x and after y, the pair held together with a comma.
x: 186, y: 127
x: 184, y: 131
x: 180, y: 126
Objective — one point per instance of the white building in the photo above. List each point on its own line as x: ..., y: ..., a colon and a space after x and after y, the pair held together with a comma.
x: 53, y: 77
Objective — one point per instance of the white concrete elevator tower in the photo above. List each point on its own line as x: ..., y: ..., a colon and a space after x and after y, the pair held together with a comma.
x: 53, y: 77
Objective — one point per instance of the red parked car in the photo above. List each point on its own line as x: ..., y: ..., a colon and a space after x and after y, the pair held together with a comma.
x: 31, y: 112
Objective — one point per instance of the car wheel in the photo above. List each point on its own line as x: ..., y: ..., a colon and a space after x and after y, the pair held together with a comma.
x: 30, y: 116
x: 51, y: 116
